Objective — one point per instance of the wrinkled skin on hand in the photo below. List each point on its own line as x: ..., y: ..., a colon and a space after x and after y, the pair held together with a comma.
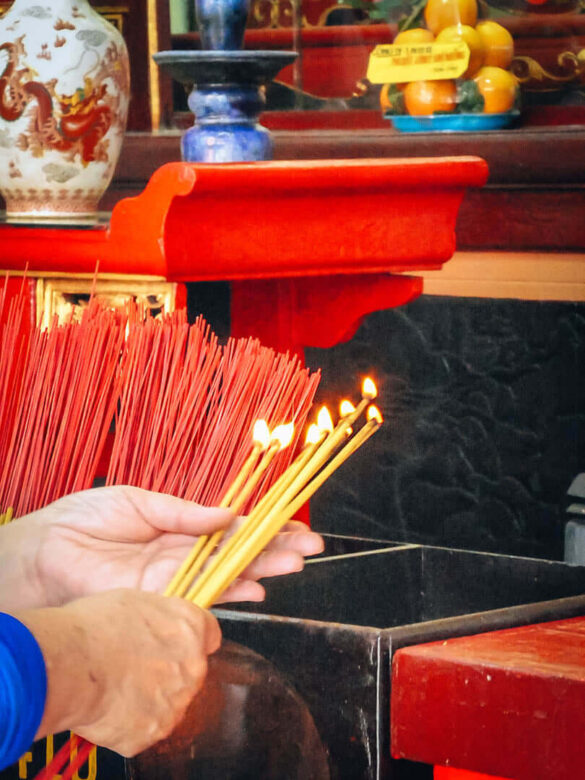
x: 122, y: 666
x: 124, y: 537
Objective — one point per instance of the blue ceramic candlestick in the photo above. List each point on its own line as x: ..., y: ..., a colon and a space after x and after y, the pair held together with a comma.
x: 221, y: 23
x: 226, y: 100
x: 227, y: 95
x: 226, y: 128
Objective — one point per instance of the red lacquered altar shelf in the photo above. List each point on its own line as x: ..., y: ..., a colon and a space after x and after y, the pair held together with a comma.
x: 509, y: 704
x: 275, y: 230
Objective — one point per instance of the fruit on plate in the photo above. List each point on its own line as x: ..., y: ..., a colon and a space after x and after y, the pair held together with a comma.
x: 439, y: 14
x: 422, y: 98
x: 498, y: 88
x: 486, y: 87
x: 498, y: 44
x: 415, y: 35
x: 470, y: 36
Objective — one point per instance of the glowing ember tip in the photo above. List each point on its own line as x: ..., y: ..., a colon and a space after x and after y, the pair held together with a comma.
x: 369, y: 389
x: 324, y: 420
x: 345, y: 408
x: 283, y: 434
x: 261, y: 434
x: 314, y: 434
x: 375, y: 414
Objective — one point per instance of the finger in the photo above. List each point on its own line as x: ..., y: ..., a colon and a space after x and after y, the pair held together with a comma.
x: 201, y: 622
x: 175, y: 515
x: 273, y: 563
x: 212, y: 633
x: 243, y: 590
x: 299, y: 538
x: 161, y: 570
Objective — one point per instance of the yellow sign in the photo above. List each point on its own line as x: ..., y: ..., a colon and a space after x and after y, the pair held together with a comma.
x: 397, y: 64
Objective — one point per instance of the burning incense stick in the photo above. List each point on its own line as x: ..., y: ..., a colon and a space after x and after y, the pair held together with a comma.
x: 247, y: 527
x: 374, y: 422
x: 236, y: 495
x: 262, y: 527
x: 191, y: 565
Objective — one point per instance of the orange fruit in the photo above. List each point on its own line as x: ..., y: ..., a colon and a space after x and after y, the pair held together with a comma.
x: 498, y: 87
x: 467, y: 34
x: 392, y: 99
x: 385, y: 102
x: 414, y: 35
x: 422, y: 98
x: 497, y: 42
x: 445, y: 13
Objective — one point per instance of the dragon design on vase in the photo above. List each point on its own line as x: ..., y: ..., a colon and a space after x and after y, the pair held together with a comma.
x: 72, y: 124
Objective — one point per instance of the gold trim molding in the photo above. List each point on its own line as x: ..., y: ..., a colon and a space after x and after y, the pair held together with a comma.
x: 530, y: 72
x: 268, y: 13
x: 58, y: 295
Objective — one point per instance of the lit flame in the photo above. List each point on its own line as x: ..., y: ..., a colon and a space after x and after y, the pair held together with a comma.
x: 261, y: 434
x: 314, y: 434
x: 375, y: 414
x: 324, y: 420
x: 369, y: 389
x: 283, y: 434
x: 346, y: 408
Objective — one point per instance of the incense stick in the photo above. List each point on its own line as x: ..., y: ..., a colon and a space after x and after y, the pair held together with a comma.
x: 250, y: 522
x: 262, y: 526
x: 193, y: 562
x: 239, y: 492
x: 265, y: 530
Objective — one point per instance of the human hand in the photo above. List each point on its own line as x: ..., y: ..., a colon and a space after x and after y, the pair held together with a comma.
x: 124, y: 537
x: 122, y: 666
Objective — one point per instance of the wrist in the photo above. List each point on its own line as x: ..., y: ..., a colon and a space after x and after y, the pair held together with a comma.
x: 63, y: 641
x: 20, y: 584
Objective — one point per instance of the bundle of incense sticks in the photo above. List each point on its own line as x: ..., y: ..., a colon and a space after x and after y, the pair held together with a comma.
x: 326, y: 448
x: 188, y: 405
x: 60, y: 387
x: 183, y: 405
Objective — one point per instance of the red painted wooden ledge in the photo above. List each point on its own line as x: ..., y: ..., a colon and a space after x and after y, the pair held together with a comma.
x: 507, y: 703
x: 277, y: 219
x: 276, y: 230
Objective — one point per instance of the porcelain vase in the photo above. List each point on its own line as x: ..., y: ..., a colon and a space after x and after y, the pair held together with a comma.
x: 64, y: 93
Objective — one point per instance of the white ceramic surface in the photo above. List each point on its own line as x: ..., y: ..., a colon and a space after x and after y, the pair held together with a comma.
x: 64, y: 92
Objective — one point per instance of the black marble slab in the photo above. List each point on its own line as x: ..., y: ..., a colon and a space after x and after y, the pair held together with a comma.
x: 484, y: 403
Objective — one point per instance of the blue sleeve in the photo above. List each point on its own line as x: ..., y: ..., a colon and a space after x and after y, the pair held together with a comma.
x: 23, y: 689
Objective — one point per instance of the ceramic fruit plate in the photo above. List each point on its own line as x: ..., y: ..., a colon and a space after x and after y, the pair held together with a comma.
x: 452, y: 123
